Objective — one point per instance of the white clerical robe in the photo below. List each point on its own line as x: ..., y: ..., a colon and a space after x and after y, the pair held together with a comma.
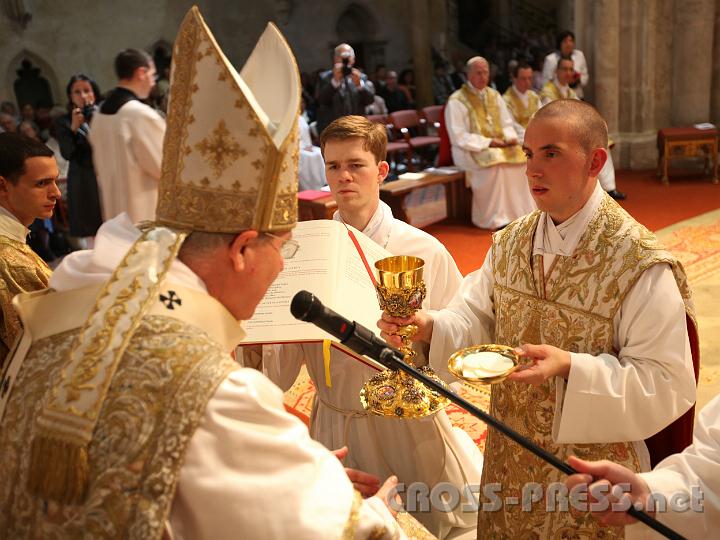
x: 648, y: 384
x: 426, y: 450
x: 500, y: 192
x: 127, y: 153
x: 251, y: 469
x: 311, y: 165
x: 579, y: 65
x: 698, y: 466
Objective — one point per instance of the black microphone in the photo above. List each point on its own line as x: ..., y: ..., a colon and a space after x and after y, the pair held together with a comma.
x: 305, y: 306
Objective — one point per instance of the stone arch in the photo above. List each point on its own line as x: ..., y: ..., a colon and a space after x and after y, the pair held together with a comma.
x: 357, y: 25
x: 57, y: 93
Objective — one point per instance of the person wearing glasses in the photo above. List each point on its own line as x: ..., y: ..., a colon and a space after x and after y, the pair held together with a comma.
x: 127, y: 141
x: 354, y: 150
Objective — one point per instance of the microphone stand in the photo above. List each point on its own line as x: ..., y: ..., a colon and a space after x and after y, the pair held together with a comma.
x: 392, y: 359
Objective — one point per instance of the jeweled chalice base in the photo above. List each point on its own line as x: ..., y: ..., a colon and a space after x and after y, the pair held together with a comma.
x: 394, y: 393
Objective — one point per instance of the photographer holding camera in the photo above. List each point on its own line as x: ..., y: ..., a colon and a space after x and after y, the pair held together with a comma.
x: 343, y: 90
x: 73, y: 129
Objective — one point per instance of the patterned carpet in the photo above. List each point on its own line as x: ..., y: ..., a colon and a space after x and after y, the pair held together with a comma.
x: 696, y: 242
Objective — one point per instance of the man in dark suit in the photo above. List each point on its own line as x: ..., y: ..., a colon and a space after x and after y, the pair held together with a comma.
x: 342, y: 90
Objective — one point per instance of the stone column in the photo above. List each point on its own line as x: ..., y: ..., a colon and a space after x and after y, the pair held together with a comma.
x: 715, y: 102
x: 606, y: 60
x: 692, y: 72
x: 422, y: 59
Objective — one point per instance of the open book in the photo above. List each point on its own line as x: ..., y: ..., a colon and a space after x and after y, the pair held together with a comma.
x: 329, y: 266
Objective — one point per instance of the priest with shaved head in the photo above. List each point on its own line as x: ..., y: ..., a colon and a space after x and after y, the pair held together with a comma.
x: 602, y: 317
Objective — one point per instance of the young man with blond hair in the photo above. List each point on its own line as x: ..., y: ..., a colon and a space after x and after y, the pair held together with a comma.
x: 28, y: 173
x: 427, y: 450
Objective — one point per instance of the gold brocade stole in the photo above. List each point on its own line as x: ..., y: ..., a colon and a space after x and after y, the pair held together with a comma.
x: 572, y: 307
x: 156, y: 399
x: 484, y: 117
x: 518, y: 109
x: 21, y: 270
x: 551, y: 91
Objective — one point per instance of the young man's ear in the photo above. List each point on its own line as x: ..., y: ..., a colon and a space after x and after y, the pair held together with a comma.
x: 237, y: 249
x: 383, y: 170
x: 3, y: 185
x: 597, y: 161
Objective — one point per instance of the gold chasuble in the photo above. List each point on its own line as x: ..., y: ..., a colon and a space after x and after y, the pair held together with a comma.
x: 109, y: 381
x: 484, y: 115
x: 21, y: 270
x: 571, y: 307
x: 518, y: 109
x: 551, y: 91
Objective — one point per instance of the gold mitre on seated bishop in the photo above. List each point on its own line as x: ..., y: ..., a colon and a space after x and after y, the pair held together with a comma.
x: 231, y: 150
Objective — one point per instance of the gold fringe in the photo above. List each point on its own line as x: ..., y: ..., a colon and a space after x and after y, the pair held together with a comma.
x: 58, y: 470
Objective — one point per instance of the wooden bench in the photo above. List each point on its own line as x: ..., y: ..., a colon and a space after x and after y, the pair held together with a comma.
x: 314, y: 205
x: 687, y: 142
x: 457, y: 197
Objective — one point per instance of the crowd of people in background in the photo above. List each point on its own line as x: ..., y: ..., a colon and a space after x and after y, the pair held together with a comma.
x: 346, y: 88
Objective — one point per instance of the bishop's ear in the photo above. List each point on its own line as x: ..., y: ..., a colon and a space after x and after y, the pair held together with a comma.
x: 237, y: 251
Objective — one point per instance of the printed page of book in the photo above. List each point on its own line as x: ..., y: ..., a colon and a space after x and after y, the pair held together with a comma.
x: 313, y: 268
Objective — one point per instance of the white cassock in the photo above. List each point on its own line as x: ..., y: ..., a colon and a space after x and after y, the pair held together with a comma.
x: 650, y: 383
x: 579, y: 65
x: 426, y: 450
x: 697, y: 466
x: 251, y: 469
x: 500, y: 192
x: 127, y: 153
x: 311, y: 166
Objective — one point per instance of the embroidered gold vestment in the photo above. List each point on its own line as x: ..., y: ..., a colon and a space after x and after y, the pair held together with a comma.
x: 484, y: 115
x: 21, y: 270
x: 571, y: 307
x: 518, y: 109
x: 157, y: 396
x: 551, y: 91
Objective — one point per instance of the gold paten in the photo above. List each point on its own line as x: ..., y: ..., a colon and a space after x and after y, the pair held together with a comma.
x: 401, y: 291
x: 457, y: 365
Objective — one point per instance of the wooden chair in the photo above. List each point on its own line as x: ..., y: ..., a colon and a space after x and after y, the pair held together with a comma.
x: 432, y: 115
x: 412, y: 129
x: 393, y: 147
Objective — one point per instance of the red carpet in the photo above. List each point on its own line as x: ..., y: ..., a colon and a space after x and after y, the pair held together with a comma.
x: 649, y: 201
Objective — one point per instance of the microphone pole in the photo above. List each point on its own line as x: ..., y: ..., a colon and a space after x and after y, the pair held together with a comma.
x: 307, y: 307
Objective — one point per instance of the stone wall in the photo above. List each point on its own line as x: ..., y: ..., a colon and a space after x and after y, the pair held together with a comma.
x: 63, y: 38
x: 653, y: 64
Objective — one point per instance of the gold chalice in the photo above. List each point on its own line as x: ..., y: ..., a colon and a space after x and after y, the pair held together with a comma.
x: 401, y: 291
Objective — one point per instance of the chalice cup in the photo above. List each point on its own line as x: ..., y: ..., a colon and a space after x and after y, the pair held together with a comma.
x: 401, y: 291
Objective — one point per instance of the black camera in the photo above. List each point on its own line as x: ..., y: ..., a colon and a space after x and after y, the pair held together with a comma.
x: 88, y: 111
x: 346, y: 69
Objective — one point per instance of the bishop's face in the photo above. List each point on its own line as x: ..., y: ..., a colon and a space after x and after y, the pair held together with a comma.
x: 354, y: 175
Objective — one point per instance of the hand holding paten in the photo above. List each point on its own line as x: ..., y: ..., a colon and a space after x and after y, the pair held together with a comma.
x: 545, y: 362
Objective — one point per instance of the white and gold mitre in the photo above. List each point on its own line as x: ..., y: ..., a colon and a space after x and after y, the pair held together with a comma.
x: 231, y: 152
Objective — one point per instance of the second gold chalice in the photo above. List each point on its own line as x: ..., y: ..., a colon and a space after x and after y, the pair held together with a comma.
x: 401, y: 291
